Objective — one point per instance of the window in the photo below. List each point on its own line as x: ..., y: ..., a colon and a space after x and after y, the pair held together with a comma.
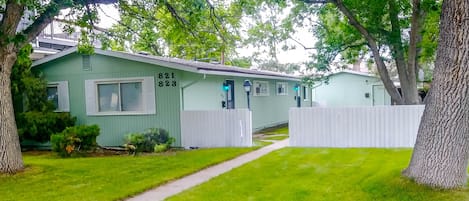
x: 282, y: 88
x: 305, y: 93
x: 261, y: 88
x: 57, y: 92
x: 53, y: 95
x: 121, y: 96
x: 125, y: 96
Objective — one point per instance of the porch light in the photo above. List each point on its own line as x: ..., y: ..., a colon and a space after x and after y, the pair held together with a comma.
x: 225, y: 87
x: 247, y: 87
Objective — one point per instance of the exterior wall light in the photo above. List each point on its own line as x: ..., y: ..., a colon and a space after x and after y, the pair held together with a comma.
x: 247, y: 87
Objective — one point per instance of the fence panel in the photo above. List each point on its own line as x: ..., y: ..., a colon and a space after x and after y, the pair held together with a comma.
x: 379, y: 126
x: 216, y: 128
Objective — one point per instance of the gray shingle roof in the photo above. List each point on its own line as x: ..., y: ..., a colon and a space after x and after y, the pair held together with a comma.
x: 181, y: 64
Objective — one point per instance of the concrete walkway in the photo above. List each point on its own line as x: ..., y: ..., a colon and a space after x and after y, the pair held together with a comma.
x: 177, y: 186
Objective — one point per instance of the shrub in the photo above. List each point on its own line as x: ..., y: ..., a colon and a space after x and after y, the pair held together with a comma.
x: 75, y: 140
x: 148, y: 141
x: 39, y: 126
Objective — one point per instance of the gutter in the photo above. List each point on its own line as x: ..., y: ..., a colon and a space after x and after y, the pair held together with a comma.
x: 238, y: 74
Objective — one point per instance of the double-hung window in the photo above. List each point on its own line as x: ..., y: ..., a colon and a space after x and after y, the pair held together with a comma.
x: 261, y: 88
x: 282, y: 88
x: 125, y: 96
x: 57, y: 93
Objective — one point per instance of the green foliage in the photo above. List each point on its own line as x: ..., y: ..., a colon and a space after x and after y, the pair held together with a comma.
x: 244, y: 62
x: 74, y: 140
x: 199, y: 30
x: 40, y: 125
x: 28, y: 89
x: 338, y: 41
x: 34, y: 114
x: 273, y: 65
x: 148, y: 141
x: 266, y: 32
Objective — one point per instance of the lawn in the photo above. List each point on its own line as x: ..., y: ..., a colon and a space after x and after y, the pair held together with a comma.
x: 275, y: 130
x: 275, y: 133
x: 321, y: 174
x: 104, y: 178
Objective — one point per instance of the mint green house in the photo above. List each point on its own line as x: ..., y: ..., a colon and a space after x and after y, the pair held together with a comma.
x: 349, y: 88
x: 123, y: 92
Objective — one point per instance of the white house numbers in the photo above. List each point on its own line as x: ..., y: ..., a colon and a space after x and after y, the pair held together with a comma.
x: 167, y: 80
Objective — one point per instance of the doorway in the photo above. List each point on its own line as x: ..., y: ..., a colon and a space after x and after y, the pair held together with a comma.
x: 230, y: 94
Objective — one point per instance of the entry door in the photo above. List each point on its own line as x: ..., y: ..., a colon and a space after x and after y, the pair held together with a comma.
x: 230, y: 95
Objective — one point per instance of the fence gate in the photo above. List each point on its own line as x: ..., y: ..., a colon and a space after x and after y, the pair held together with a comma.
x: 216, y: 128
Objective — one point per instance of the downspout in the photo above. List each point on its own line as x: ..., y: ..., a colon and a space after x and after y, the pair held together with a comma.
x: 186, y: 86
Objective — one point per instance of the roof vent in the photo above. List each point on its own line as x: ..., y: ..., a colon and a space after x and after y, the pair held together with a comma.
x: 86, y: 62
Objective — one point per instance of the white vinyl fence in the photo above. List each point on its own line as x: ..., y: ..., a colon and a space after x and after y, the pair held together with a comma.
x: 379, y: 126
x: 217, y: 128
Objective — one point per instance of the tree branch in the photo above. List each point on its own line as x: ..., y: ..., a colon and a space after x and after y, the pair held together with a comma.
x: 299, y: 43
x: 396, y: 43
x: 372, y: 44
x: 317, y: 1
x: 52, y: 9
x: 10, y: 20
x: 214, y: 15
x: 416, y: 27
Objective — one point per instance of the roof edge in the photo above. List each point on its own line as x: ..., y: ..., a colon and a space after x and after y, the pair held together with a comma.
x: 175, y: 63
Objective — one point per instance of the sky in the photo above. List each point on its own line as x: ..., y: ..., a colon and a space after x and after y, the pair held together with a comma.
x: 109, y: 15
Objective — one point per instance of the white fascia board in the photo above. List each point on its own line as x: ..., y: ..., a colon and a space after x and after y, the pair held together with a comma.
x: 54, y: 56
x: 356, y: 73
x: 246, y: 75
x: 58, y: 41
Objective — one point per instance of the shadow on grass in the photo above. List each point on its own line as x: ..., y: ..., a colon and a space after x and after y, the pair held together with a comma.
x: 393, y: 186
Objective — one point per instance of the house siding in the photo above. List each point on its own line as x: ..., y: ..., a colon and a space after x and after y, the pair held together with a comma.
x: 114, y: 128
x: 346, y: 89
x: 206, y: 93
x: 193, y: 91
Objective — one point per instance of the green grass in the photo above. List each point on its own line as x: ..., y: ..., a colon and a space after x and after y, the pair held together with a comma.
x: 273, y: 131
x: 324, y: 175
x: 104, y: 178
x: 260, y: 143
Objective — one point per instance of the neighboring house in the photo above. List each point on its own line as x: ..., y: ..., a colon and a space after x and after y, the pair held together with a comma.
x: 350, y: 88
x: 123, y: 92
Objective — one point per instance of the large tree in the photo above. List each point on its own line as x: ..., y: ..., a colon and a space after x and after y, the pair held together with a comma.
x: 441, y: 152
x: 391, y: 29
x: 20, y: 22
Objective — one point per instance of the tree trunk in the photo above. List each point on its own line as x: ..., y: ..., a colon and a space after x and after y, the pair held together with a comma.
x: 11, y: 160
x: 441, y: 152
x: 406, y: 72
x: 371, y: 41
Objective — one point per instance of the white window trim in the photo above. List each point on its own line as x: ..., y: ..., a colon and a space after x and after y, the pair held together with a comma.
x: 148, y: 96
x: 63, y: 95
x: 286, y: 88
x: 305, y: 89
x: 261, y: 82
